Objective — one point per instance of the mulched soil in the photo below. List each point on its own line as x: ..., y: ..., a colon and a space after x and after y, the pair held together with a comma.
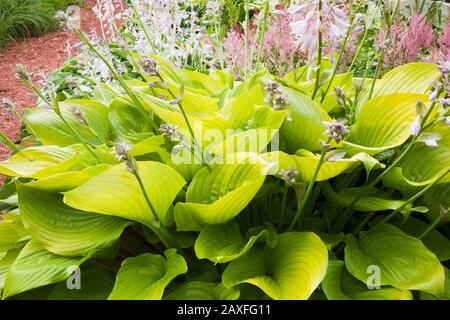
x: 44, y: 53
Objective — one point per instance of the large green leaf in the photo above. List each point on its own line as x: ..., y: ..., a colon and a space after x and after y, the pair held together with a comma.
x: 306, y: 128
x: 292, y: 270
x: 63, y: 230
x: 367, y: 199
x: 423, y: 164
x: 436, y: 199
x: 249, y: 141
x: 408, y: 78
x: 446, y: 296
x: 66, y: 181
x: 338, y: 284
x: 216, y: 196
x: 36, y: 267
x: 146, y: 276
x: 200, y: 80
x: 201, y: 290
x: 435, y: 241
x: 51, y: 130
x: 307, y: 164
x: 343, y: 81
x: 153, y: 144
x: 404, y: 261
x: 38, y: 162
x: 239, y: 110
x: 128, y: 122
x: 96, y: 284
x: 383, y: 123
x: 116, y: 192
x: 206, y: 124
x: 224, y: 242
x: 12, y: 233
x: 5, y: 265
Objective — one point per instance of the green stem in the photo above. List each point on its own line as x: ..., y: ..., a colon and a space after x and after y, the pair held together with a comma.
x: 430, y: 228
x: 246, y: 35
x: 319, y: 58
x: 283, y: 206
x: 364, y: 222
x: 156, y: 225
x: 415, y: 197
x: 361, y: 44
x: 377, y: 71
x: 7, y: 142
x: 186, y: 120
x: 141, y: 24
x: 308, y: 190
x: 58, y: 112
x: 116, y: 75
x: 86, y: 145
x: 262, y: 36
x: 338, y: 61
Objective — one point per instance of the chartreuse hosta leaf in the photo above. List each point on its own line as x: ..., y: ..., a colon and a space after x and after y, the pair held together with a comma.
x: 306, y: 128
x: 36, y: 267
x: 217, y: 196
x: 435, y: 241
x: 128, y: 122
x: 146, y: 276
x: 338, y: 284
x: 12, y: 233
x: 436, y: 199
x: 116, y: 192
x: 96, y: 284
x: 343, y: 81
x: 408, y: 78
x: 239, y: 110
x: 5, y: 265
x: 306, y: 165
x: 153, y: 144
x: 423, y: 164
x: 38, y: 162
x: 66, y: 181
x: 51, y: 130
x: 383, y: 123
x: 250, y: 141
x: 266, y: 117
x: 201, y: 290
x: 446, y: 295
x: 200, y: 80
x: 223, y: 242
x: 367, y: 199
x: 205, y: 124
x: 404, y: 262
x: 63, y: 230
x: 290, y: 271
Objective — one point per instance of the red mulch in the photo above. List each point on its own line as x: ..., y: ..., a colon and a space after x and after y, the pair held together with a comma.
x: 44, y: 53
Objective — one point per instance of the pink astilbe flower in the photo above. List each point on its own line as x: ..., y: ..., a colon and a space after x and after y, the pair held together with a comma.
x: 418, y: 37
x: 234, y: 46
x: 279, y: 48
x: 406, y: 42
x: 444, y: 46
x: 234, y: 49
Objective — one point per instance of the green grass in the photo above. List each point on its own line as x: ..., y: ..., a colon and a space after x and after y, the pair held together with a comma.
x: 26, y: 18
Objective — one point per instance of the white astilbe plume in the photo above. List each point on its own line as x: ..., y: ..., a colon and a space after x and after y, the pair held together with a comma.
x: 308, y: 20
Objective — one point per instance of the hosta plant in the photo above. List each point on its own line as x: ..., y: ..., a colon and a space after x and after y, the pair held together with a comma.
x: 187, y: 185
